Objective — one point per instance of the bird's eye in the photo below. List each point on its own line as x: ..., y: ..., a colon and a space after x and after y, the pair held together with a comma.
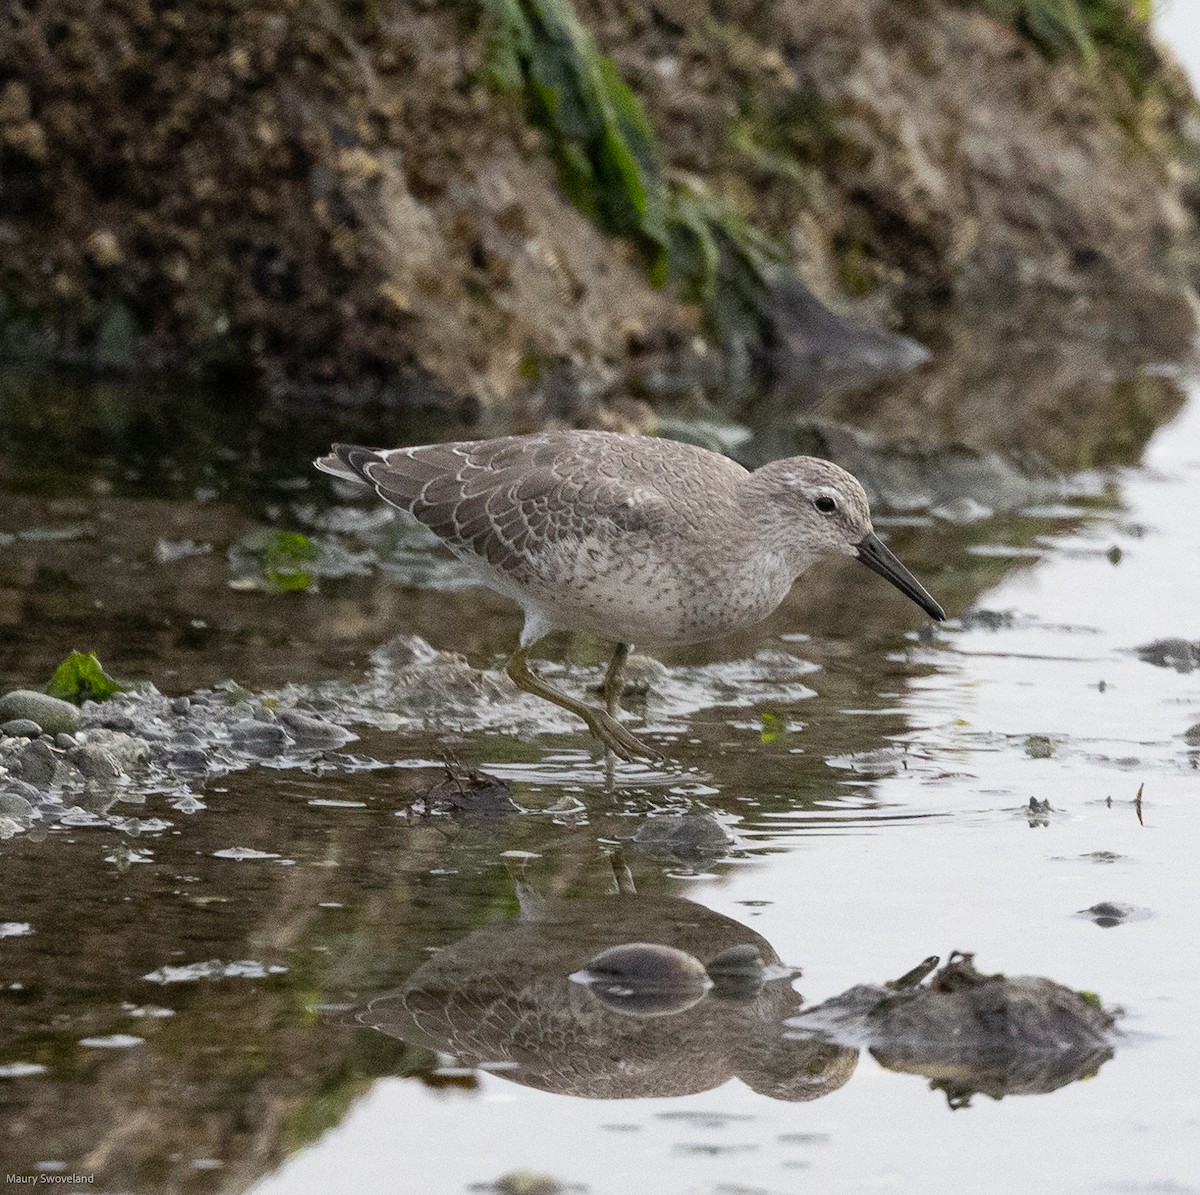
x: 825, y: 504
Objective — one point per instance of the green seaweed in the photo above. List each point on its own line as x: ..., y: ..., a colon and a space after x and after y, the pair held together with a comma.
x: 1096, y: 33
x: 600, y: 138
x: 598, y: 132
x: 81, y: 678
x: 286, y: 556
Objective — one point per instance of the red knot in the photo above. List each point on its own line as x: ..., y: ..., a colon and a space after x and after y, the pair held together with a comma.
x: 633, y: 539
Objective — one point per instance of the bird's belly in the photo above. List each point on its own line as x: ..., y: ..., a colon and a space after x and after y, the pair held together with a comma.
x: 645, y: 600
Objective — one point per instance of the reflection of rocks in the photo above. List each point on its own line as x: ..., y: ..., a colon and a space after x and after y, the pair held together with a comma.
x: 812, y: 353
x: 630, y: 996
x: 968, y: 1032
x: 1171, y: 653
x: 504, y: 997
x: 992, y: 419
x: 1110, y: 913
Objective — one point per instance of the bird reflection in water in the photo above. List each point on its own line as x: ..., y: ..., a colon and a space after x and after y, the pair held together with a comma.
x: 628, y: 996
x: 613, y: 998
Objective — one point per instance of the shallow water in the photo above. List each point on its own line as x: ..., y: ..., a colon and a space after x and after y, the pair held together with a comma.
x: 197, y: 971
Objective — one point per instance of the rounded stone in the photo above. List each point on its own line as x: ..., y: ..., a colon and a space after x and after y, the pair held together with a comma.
x: 21, y: 728
x: 53, y: 715
x: 37, y: 764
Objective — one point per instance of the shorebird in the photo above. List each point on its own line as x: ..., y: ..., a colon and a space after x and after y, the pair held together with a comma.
x: 633, y: 539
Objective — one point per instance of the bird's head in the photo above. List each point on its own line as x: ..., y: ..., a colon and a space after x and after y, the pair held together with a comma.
x: 823, y: 511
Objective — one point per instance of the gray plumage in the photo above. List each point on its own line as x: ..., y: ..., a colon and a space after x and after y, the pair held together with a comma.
x: 630, y: 538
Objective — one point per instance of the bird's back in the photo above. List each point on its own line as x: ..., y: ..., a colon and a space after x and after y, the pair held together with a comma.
x: 596, y: 531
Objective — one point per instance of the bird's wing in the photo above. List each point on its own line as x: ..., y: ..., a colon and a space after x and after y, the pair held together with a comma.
x: 515, y: 501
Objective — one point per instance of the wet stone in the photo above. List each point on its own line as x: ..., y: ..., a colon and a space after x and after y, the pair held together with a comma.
x: 50, y: 713
x: 258, y: 738
x: 20, y: 728
x: 189, y: 759
x: 313, y: 731
x: 181, y: 705
x: 65, y: 742
x: 18, y: 788
x: 15, y: 806
x: 94, y: 764
x: 693, y: 837
x: 37, y: 763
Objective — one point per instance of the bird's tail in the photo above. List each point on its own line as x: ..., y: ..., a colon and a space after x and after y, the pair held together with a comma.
x: 349, y: 461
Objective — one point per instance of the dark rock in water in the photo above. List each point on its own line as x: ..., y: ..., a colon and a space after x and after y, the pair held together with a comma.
x: 1171, y: 653
x: 468, y: 792
x: 20, y: 728
x: 258, y: 738
x: 52, y: 714
x: 312, y: 731
x: 1191, y: 736
x: 189, y: 759
x: 968, y: 1032
x: 37, y: 763
x: 645, y: 979
x: 692, y: 837
x: 1109, y: 913
x: 181, y: 705
x: 811, y: 350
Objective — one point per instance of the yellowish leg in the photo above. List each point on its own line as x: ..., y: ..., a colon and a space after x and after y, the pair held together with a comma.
x: 614, y: 679
x: 603, y: 725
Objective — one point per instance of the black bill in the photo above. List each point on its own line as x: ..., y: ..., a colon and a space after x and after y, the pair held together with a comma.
x: 880, y: 559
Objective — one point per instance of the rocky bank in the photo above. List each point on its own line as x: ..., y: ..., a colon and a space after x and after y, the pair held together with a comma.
x: 400, y: 203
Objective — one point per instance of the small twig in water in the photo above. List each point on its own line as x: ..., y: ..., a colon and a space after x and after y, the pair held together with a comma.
x: 1137, y: 803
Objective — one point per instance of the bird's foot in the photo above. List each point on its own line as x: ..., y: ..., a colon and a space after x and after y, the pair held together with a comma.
x: 617, y: 739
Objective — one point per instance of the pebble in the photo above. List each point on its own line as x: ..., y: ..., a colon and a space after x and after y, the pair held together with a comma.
x: 21, y: 728
x: 181, y: 705
x: 53, y: 715
x: 65, y: 742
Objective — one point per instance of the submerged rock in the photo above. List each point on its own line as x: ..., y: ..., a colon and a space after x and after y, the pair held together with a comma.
x: 693, y: 837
